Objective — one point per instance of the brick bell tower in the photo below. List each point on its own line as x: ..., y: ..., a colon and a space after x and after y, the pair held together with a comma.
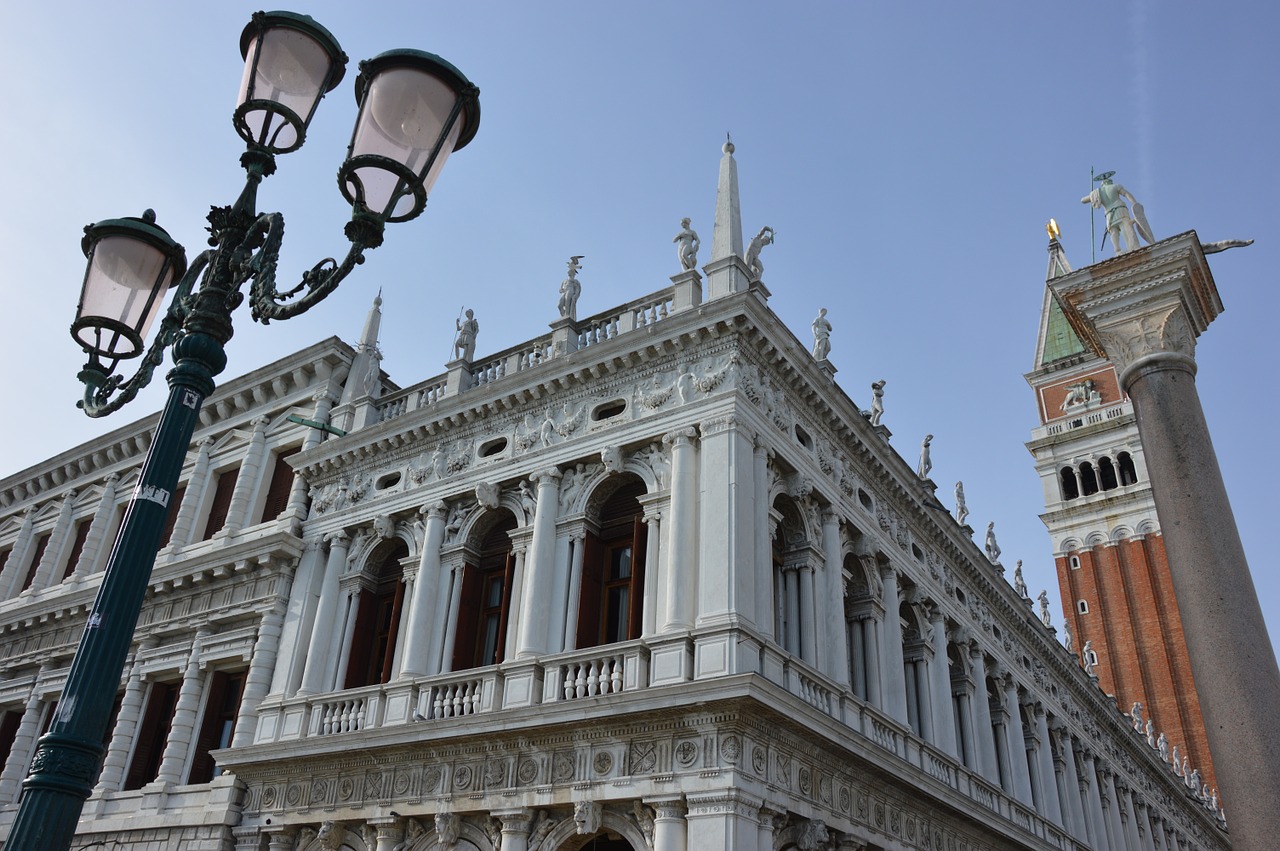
x: 1113, y: 575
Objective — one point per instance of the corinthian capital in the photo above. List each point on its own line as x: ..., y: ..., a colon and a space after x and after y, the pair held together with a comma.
x: 1136, y: 338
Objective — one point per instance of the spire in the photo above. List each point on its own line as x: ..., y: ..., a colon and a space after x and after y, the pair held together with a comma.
x: 362, y: 380
x: 726, y: 240
x: 369, y: 336
x: 1057, y: 340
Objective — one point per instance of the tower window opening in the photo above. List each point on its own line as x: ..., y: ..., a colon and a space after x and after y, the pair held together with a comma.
x: 1070, y: 490
x: 1128, y: 475
x: 1107, y: 473
x: 1082, y: 606
x: 1088, y: 479
x: 1075, y: 562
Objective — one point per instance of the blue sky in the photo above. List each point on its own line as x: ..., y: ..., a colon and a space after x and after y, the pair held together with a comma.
x: 908, y: 155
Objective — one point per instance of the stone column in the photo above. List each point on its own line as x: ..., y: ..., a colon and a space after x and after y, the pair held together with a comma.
x: 652, y: 551
x: 833, y: 604
x: 1133, y: 834
x: 682, y: 531
x: 247, y: 480
x: 1052, y: 807
x: 388, y: 833
x: 1144, y: 313
x: 299, y: 619
x: 296, y: 508
x: 314, y: 680
x: 857, y: 655
x: 1095, y: 819
x: 984, y: 736
x: 764, y: 546
x: 426, y: 587
x: 98, y: 528
x: 944, y: 727
x: 670, y: 833
x: 1073, y: 808
x: 184, y: 716
x: 539, y: 569
x: 726, y: 584
x: 20, y: 753
x: 875, y: 680
x: 1111, y: 804
x: 15, y: 566
x: 808, y: 615
x: 570, y: 632
x: 192, y: 497
x: 451, y: 624
x: 891, y: 663
x: 340, y: 649
x: 59, y: 543
x: 257, y: 682
x: 791, y: 602
x: 1017, y: 744
x: 515, y: 828
x: 282, y: 839
x: 123, y: 733
x: 722, y: 820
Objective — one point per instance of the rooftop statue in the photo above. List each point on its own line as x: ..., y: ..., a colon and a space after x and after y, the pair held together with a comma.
x: 821, y: 335
x: 962, y: 510
x: 877, y: 401
x: 758, y: 242
x: 993, y: 548
x: 926, y: 463
x: 687, y: 244
x: 1068, y: 640
x: 1019, y: 584
x: 1044, y: 608
x: 464, y: 345
x: 570, y: 289
x: 1087, y: 658
x: 1120, y: 226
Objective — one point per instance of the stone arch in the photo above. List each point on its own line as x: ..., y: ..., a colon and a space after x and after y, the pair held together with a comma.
x: 600, y: 487
x: 564, y: 836
x: 361, y: 555
x: 1095, y: 539
x: 1120, y: 533
x: 1148, y: 527
x: 478, y: 527
x: 615, y: 545
x: 1069, y: 545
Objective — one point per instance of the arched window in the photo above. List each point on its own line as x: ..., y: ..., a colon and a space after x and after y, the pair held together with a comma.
x: 1082, y: 606
x: 611, y: 596
x: 1128, y: 475
x: 1070, y: 490
x: 961, y: 696
x: 1088, y: 479
x: 485, y: 600
x: 861, y: 632
x: 790, y: 554
x: 373, y: 643
x: 1107, y: 473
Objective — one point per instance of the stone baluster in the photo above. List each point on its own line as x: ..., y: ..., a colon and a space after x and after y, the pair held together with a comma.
x: 247, y: 480
x: 314, y: 679
x: 682, y: 531
x: 98, y: 527
x: 540, y: 566
x: 184, y: 716
x: 426, y: 586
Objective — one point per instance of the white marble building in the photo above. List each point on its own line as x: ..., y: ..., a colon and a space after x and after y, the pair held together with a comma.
x: 649, y: 581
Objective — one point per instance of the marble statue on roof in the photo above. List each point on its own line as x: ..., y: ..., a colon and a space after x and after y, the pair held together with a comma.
x: 1121, y: 227
x: 464, y: 345
x: 687, y: 244
x: 821, y: 335
x: 757, y: 244
x: 570, y: 289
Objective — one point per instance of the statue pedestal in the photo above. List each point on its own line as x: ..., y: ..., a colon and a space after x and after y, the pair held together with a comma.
x: 687, y: 290
x: 727, y: 276
x: 458, y: 379
x: 564, y: 336
x: 828, y: 367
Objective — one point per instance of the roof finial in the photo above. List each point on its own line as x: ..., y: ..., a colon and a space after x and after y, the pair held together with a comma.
x: 728, y: 144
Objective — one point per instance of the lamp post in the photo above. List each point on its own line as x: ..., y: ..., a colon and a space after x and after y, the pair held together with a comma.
x: 414, y: 110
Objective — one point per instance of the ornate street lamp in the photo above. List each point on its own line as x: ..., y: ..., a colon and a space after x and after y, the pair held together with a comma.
x: 415, y: 109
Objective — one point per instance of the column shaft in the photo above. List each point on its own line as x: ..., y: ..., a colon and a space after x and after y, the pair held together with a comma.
x: 539, y: 570
x: 1017, y: 745
x: 944, y: 728
x: 257, y: 681
x: 248, y: 479
x: 682, y: 532
x: 1052, y: 807
x: 808, y: 616
x: 15, y: 767
x: 184, y: 717
x: 891, y: 664
x: 833, y: 601
x: 426, y: 586
x: 93, y: 542
x: 314, y: 679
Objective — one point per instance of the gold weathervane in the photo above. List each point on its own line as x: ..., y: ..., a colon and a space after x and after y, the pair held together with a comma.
x: 1052, y: 229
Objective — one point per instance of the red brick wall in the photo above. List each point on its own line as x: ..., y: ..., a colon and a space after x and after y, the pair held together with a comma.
x: 1136, y: 631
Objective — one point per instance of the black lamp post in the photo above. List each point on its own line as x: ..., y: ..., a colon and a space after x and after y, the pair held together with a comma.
x: 415, y: 109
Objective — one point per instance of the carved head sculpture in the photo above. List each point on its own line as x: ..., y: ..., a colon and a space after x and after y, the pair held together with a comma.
x: 587, y: 815
x: 330, y: 836
x: 449, y: 828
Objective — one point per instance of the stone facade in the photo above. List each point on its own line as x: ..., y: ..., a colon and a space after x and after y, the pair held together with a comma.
x: 650, y: 581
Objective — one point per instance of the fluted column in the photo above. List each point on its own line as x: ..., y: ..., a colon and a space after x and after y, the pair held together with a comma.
x: 652, y: 552
x: 682, y: 531
x: 1017, y: 744
x: 857, y: 652
x: 15, y: 566
x: 1073, y: 807
x: 60, y: 539
x: 539, y: 569
x: 299, y: 619
x: 340, y: 650
x: 451, y: 621
x: 317, y: 665
x: 670, y: 831
x: 944, y: 727
x: 833, y: 604
x: 764, y: 546
x: 15, y: 767
x: 892, y: 668
x: 1095, y: 818
x: 426, y: 586
x: 808, y: 615
x: 126, y: 728
x: 192, y: 497
x: 257, y: 682
x: 248, y: 479
x: 1144, y: 315
x: 98, y: 527
x: 1048, y: 778
x: 1111, y: 805
x: 184, y: 716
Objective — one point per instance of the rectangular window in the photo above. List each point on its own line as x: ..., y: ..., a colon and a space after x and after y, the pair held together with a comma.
x: 41, y: 545
x: 82, y: 534
x: 172, y: 518
x: 153, y: 732
x: 219, y: 724
x: 221, y: 502
x: 281, y: 484
x: 617, y: 604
